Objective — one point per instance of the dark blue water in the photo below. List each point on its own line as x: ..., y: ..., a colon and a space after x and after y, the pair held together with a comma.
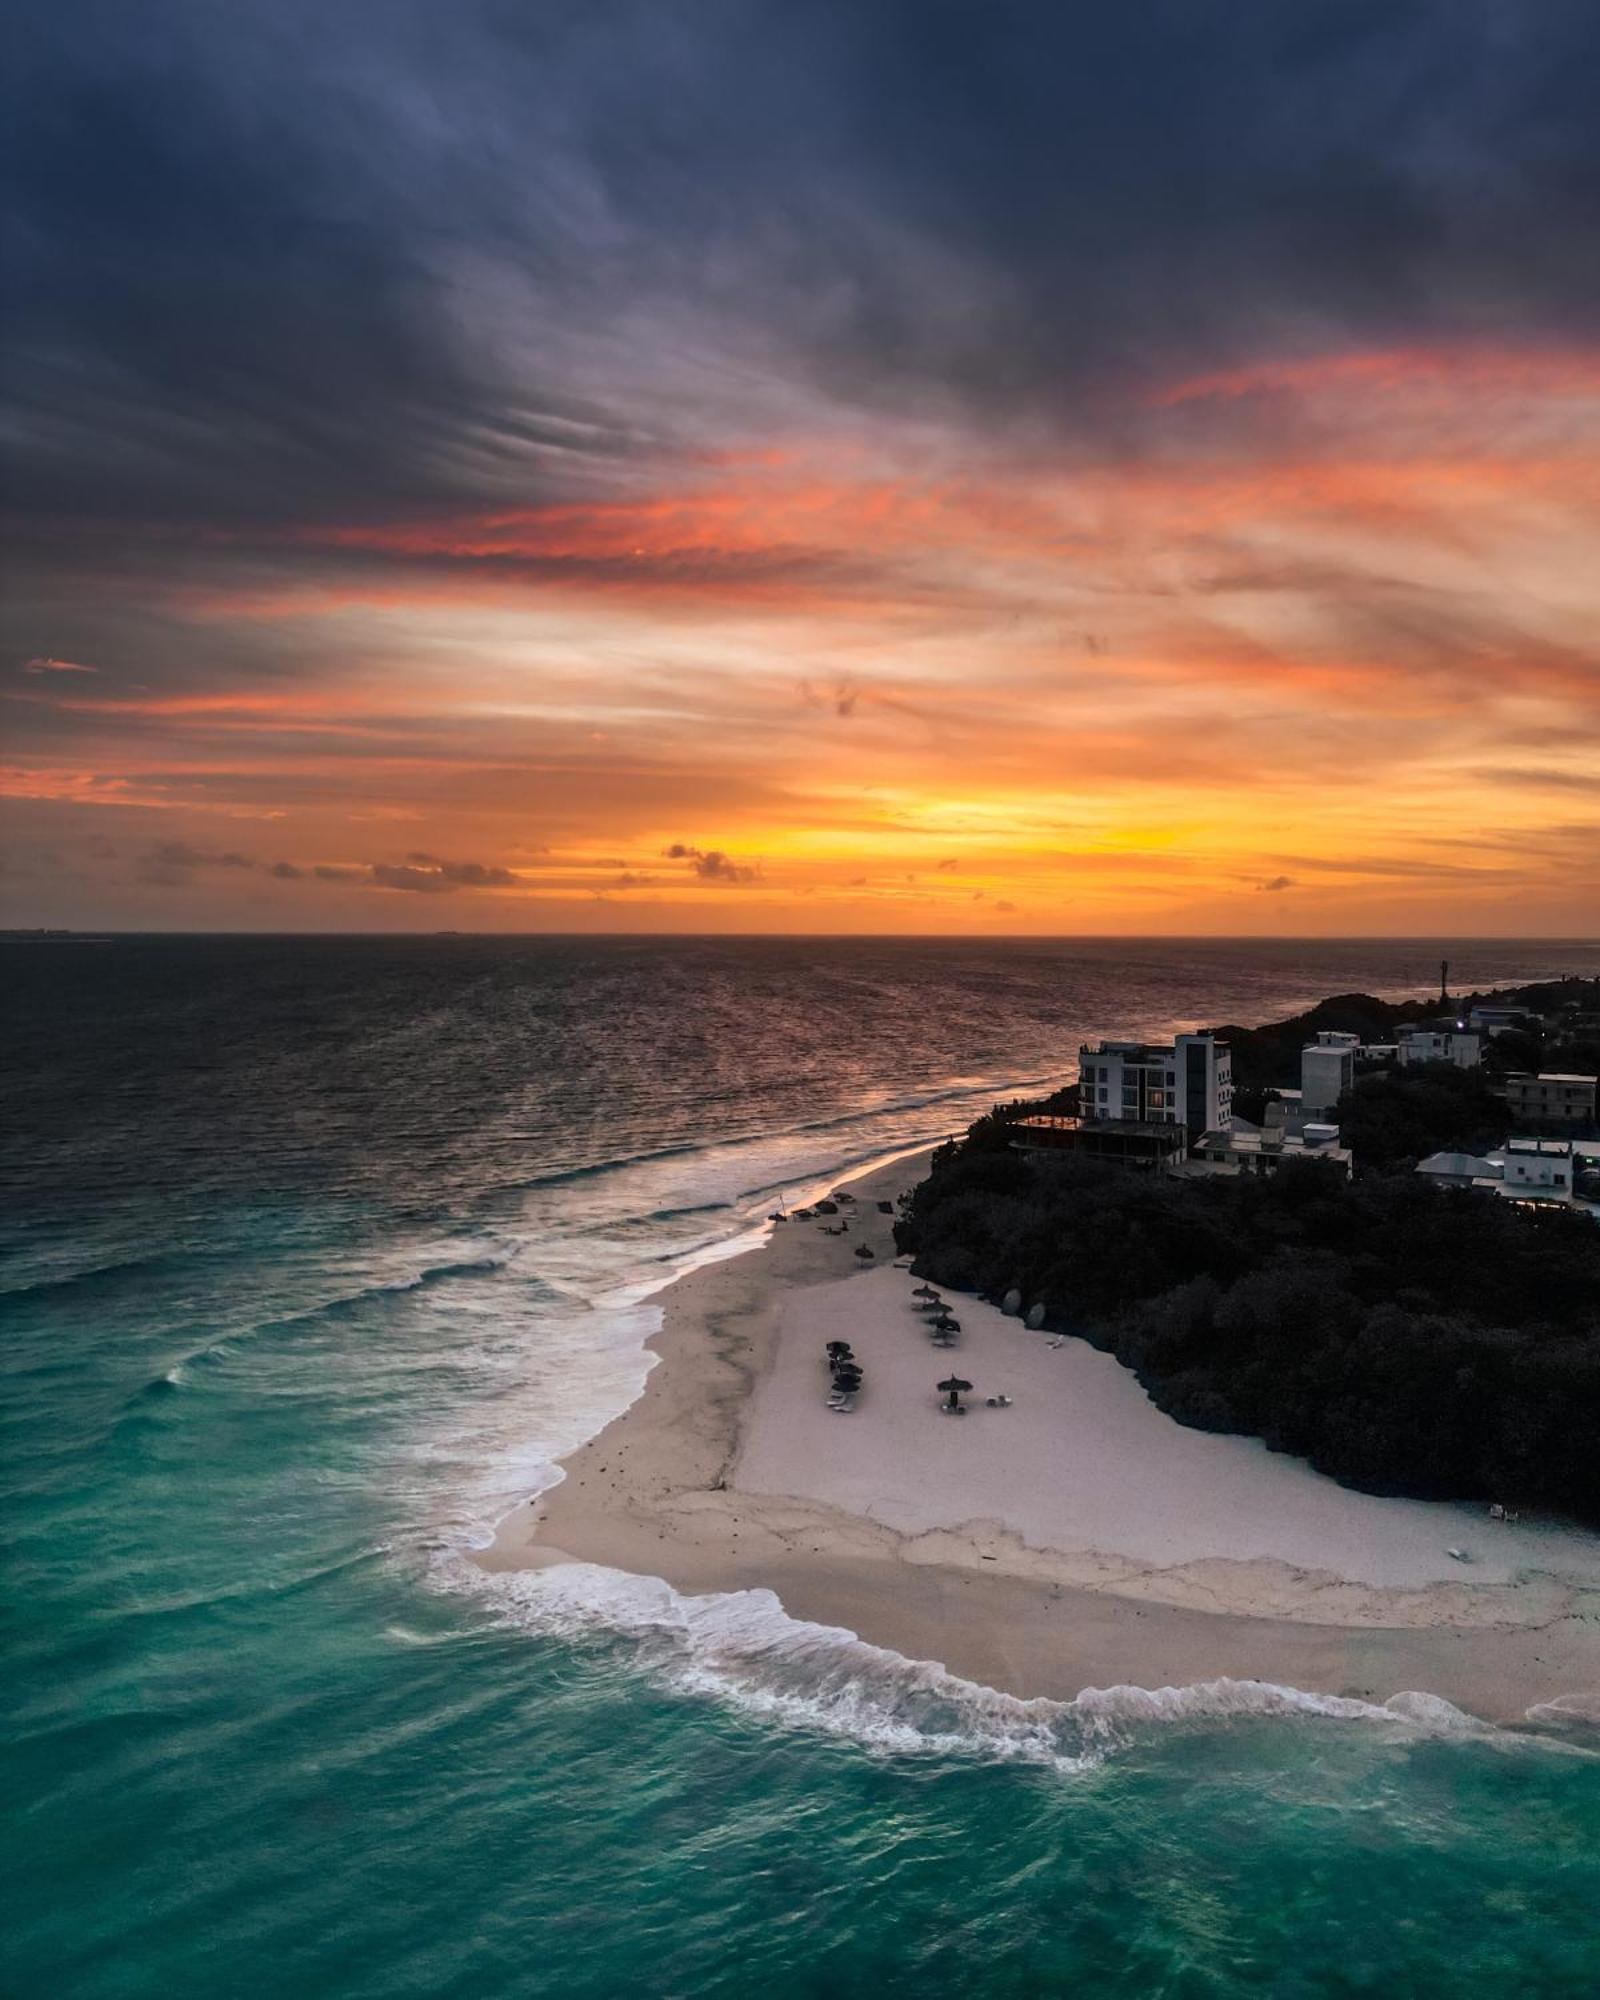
x: 315, y: 1252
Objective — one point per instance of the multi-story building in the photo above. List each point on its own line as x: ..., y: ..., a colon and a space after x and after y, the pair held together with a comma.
x: 1451, y: 1045
x: 1188, y: 1082
x: 1551, y: 1100
x: 1327, y: 1070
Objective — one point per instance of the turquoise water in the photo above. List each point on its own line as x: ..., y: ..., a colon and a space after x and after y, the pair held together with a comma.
x: 302, y: 1294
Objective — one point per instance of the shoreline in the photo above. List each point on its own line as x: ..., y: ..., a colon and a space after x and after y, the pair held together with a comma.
x: 726, y: 1474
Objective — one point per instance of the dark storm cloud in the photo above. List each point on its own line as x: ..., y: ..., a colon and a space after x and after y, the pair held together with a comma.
x: 282, y: 261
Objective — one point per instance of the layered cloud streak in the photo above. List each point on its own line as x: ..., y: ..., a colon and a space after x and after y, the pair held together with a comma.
x: 920, y: 466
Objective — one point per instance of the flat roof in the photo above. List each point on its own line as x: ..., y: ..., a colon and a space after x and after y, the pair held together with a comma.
x: 1146, y: 1128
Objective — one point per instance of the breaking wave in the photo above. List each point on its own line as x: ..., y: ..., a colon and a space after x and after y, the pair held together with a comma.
x: 743, y: 1649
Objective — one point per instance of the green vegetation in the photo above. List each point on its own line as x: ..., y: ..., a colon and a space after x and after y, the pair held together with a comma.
x: 1404, y: 1338
x: 1394, y: 1118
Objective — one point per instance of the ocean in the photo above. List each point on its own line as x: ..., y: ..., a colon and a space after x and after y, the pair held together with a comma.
x: 317, y: 1252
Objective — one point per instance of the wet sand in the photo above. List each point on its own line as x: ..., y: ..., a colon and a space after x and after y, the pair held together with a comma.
x: 1077, y: 1539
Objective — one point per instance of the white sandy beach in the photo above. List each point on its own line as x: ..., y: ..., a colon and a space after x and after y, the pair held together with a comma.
x: 1083, y: 1460
x: 1079, y: 1538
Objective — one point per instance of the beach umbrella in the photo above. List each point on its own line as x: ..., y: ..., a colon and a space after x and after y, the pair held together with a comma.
x: 925, y: 1292
x: 947, y: 1323
x: 838, y: 1347
x: 862, y: 1250
x: 952, y: 1385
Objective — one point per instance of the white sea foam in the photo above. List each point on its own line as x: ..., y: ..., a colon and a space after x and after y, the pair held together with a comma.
x: 1568, y: 1711
x: 608, y: 1245
x: 569, y: 1353
x: 741, y: 1648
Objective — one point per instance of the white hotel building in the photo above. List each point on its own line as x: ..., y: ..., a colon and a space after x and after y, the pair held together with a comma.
x: 1189, y: 1082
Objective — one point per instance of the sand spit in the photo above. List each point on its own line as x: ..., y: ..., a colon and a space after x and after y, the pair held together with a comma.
x: 1078, y: 1538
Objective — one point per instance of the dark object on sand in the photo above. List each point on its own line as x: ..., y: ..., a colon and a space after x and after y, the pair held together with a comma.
x: 862, y: 1250
x: 952, y: 1386
x: 886, y: 1208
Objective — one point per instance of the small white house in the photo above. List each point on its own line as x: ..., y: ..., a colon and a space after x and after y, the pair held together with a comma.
x: 1242, y: 1150
x: 1451, y: 1045
x: 1458, y: 1169
x: 1497, y: 1020
x: 1537, y: 1169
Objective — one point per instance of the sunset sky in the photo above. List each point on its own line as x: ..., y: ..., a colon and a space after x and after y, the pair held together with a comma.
x: 878, y: 466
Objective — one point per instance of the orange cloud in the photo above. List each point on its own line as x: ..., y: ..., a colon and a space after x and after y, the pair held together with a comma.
x: 1125, y: 690
x: 1400, y: 371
